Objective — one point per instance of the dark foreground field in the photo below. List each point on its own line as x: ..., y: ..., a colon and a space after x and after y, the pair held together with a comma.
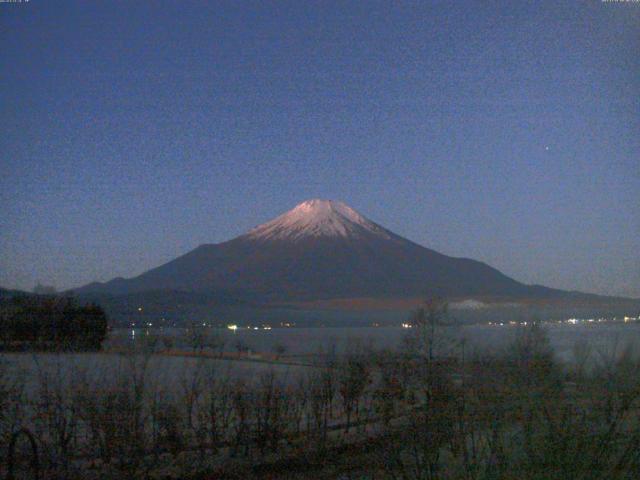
x: 429, y: 409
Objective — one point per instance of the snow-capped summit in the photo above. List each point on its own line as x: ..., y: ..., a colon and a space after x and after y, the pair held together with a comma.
x: 317, y: 218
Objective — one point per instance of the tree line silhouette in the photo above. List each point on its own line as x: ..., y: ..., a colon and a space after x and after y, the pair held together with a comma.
x: 50, y: 323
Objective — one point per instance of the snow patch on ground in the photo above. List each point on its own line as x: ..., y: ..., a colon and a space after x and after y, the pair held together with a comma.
x: 468, y: 304
x: 471, y: 304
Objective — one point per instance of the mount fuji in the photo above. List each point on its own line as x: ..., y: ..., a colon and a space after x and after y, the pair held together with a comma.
x: 321, y: 250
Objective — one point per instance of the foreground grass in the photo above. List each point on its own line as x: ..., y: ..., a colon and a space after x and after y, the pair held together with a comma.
x: 415, y: 413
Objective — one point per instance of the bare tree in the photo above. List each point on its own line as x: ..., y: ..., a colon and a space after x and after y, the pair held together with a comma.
x: 430, y: 334
x: 279, y: 349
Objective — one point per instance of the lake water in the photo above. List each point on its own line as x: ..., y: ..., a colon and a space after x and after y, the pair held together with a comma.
x: 105, y: 370
x: 604, y: 338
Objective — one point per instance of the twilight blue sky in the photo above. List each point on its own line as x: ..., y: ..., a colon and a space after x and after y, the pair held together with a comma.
x: 508, y: 132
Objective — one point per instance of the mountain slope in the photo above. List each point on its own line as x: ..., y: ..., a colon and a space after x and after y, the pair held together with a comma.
x: 320, y: 250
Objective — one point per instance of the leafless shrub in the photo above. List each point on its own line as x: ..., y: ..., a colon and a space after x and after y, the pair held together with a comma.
x: 353, y: 377
x: 269, y: 418
x: 56, y: 419
x: 12, y: 411
x: 390, y: 387
x: 216, y: 413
